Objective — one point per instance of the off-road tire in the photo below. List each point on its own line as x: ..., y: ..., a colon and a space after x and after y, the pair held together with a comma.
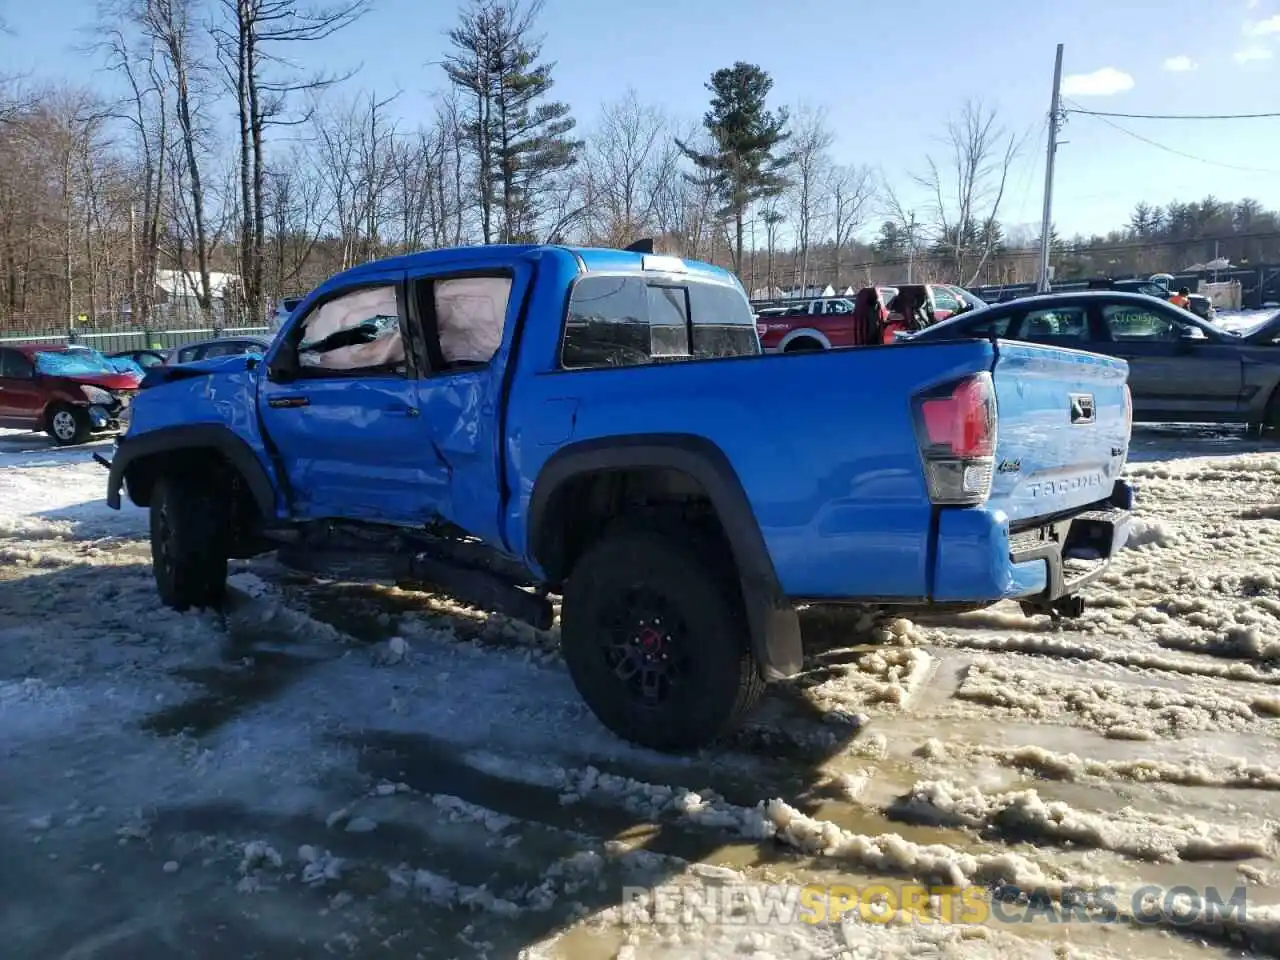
x: 68, y: 425
x: 694, y: 582
x: 189, y: 528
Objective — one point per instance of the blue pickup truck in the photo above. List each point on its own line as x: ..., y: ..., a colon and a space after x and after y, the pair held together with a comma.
x: 516, y: 423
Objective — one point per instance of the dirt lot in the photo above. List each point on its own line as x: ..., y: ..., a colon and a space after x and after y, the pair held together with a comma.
x: 348, y: 771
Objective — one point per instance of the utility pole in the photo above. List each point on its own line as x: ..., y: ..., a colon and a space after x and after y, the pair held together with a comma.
x: 1046, y: 223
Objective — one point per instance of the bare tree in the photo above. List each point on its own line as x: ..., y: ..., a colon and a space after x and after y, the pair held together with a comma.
x: 377, y: 134
x: 295, y: 208
x: 145, y: 112
x: 631, y: 160
x: 849, y: 192
x: 966, y: 188
x: 254, y: 36
x: 355, y: 160
x: 772, y: 216
x: 811, y: 141
x: 169, y: 25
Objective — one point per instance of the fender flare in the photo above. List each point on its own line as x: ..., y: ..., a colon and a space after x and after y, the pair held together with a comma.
x: 808, y: 332
x: 772, y: 620
x: 207, y: 436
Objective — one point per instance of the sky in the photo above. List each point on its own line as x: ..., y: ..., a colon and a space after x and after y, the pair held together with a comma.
x: 889, y: 84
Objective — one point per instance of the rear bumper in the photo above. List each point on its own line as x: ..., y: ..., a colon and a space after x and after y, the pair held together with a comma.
x: 978, y: 559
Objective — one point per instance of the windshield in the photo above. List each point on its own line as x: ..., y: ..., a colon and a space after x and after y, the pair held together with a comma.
x: 73, y: 363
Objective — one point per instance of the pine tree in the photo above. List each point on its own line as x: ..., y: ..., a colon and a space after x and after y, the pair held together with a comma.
x: 519, y: 139
x: 744, y: 167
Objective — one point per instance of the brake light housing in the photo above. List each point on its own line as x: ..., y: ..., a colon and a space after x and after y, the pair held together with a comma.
x: 955, y: 426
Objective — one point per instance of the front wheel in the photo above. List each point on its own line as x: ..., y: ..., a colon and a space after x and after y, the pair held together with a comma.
x: 68, y: 425
x: 655, y: 639
x: 189, y: 523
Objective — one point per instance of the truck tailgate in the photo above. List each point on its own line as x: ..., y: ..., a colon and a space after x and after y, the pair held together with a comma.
x: 1063, y: 429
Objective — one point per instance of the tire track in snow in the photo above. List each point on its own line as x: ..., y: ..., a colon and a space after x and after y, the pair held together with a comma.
x: 1236, y: 774
x: 1117, y: 710
x: 1023, y: 815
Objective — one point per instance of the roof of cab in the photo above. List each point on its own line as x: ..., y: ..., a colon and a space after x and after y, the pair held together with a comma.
x: 591, y: 259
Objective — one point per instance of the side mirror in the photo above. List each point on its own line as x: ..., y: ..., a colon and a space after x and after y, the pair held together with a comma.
x: 1191, y: 334
x: 284, y: 367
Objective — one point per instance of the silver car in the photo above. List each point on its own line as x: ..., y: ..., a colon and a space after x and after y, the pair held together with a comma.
x: 219, y: 347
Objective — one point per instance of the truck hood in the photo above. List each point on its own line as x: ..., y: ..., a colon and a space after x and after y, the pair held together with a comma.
x: 236, y: 363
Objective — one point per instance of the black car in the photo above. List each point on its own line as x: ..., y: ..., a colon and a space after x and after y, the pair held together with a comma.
x: 1180, y: 367
x: 1200, y: 305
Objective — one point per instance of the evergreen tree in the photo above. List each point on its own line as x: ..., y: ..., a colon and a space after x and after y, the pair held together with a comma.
x: 519, y: 139
x: 744, y: 166
x: 891, y: 242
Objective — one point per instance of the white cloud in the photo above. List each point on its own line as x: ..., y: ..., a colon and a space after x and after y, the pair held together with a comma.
x: 1252, y: 54
x: 1180, y: 64
x: 1101, y: 83
x: 1263, y: 28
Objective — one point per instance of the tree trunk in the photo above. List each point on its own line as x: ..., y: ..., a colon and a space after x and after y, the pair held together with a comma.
x: 254, y: 305
x: 244, y: 111
x: 737, y: 243
x: 67, y: 279
x: 205, y: 295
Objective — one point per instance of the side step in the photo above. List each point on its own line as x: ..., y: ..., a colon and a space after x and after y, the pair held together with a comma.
x: 483, y: 589
x: 479, y: 588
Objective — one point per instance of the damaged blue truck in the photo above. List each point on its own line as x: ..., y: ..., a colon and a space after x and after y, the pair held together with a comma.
x: 513, y: 424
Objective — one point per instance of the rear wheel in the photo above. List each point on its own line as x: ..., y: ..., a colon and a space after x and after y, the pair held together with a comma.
x: 803, y: 345
x: 1270, y: 422
x: 655, y: 639
x: 68, y: 425
x: 189, y: 524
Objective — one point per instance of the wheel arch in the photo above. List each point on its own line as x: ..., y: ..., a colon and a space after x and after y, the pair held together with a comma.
x: 139, y: 460
x: 804, y: 333
x: 774, y: 626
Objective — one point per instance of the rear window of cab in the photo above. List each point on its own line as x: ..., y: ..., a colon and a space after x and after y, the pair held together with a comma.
x: 628, y: 320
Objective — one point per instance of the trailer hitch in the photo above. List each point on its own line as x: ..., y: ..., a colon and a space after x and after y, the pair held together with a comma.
x: 1064, y: 608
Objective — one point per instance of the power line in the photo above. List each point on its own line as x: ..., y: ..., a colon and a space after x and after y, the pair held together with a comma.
x: 1176, y: 116
x: 1180, y: 153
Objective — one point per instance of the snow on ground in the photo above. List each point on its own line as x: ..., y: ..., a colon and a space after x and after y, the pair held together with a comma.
x: 362, y: 771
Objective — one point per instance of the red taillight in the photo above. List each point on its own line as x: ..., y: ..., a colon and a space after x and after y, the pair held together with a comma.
x: 956, y: 430
x: 963, y: 422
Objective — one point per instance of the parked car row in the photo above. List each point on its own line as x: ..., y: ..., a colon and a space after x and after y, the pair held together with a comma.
x: 190, y: 352
x: 871, y: 317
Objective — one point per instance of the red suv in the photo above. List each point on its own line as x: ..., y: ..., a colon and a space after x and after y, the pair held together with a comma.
x: 69, y: 392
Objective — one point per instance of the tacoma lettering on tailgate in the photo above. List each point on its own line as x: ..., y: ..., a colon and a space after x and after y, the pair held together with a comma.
x: 1063, y: 485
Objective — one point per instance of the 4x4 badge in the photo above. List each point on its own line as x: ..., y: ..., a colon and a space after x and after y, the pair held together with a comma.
x: 1009, y: 466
